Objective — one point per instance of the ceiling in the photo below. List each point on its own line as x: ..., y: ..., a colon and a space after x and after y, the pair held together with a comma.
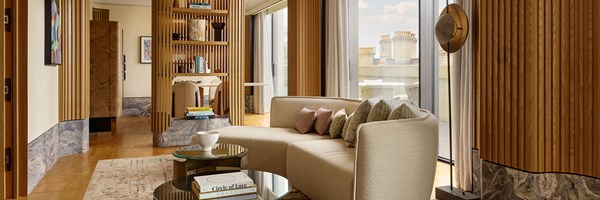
x: 252, y: 6
x: 125, y: 2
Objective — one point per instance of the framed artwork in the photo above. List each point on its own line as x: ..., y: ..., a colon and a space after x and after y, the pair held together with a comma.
x: 145, y: 49
x: 53, y: 32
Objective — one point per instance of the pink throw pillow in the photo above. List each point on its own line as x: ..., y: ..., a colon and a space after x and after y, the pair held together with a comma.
x: 305, y: 121
x: 324, y: 117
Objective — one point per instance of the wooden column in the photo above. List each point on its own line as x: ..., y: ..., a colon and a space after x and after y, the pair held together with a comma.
x: 304, y: 33
x: 537, y: 84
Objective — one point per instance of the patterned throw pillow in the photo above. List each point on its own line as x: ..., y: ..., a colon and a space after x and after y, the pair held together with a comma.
x: 360, y: 116
x: 337, y: 123
x: 346, y: 124
x: 324, y: 118
x: 381, y: 111
x: 405, y: 111
x: 305, y: 121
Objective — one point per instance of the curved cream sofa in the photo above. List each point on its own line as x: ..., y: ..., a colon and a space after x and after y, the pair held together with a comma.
x: 393, y: 159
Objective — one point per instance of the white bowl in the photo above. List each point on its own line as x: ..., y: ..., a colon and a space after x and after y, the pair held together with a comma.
x: 207, y: 139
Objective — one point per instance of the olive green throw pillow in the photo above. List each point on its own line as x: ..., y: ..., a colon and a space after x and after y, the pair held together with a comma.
x: 407, y: 110
x: 337, y: 123
x: 381, y: 111
x: 360, y: 116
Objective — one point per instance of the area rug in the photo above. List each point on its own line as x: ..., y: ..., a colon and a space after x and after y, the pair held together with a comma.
x: 136, y: 178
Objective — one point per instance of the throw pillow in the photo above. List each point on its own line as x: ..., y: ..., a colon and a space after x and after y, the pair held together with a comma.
x: 305, y: 121
x: 405, y: 111
x: 360, y: 116
x: 337, y: 123
x: 324, y: 117
x: 346, y: 124
x: 381, y: 111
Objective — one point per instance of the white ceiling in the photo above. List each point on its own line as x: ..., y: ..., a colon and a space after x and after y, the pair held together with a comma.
x: 126, y: 2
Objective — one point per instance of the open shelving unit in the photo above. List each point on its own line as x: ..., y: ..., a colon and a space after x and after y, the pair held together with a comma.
x: 171, y: 54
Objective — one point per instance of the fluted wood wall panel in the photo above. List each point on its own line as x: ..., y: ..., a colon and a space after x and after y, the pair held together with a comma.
x: 74, y: 87
x: 304, y: 69
x: 225, y: 58
x: 537, y: 84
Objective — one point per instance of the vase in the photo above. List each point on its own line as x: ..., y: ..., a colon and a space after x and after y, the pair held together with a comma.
x: 218, y: 26
x: 197, y: 29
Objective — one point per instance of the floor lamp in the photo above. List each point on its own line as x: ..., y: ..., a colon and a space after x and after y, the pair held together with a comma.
x: 451, y: 32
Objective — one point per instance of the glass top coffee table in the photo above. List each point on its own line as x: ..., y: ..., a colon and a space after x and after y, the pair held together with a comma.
x: 222, y: 155
x: 269, y: 186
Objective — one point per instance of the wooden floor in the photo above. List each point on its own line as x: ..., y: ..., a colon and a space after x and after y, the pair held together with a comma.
x: 69, y: 177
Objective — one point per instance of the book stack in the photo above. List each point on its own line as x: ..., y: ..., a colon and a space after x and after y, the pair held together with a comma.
x: 200, y: 6
x: 195, y: 113
x: 227, y: 186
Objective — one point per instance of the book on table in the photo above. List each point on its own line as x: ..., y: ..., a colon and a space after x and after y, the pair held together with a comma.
x: 230, y: 186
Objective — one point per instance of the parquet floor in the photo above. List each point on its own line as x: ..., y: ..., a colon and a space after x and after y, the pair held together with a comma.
x: 69, y: 177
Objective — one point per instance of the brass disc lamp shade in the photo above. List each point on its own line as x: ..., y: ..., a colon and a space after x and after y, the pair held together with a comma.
x: 452, y: 28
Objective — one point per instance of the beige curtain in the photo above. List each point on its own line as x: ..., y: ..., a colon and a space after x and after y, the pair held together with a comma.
x: 462, y: 106
x: 337, y: 62
x: 263, y: 72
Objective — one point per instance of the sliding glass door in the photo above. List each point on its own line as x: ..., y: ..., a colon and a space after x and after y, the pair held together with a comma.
x: 280, y: 52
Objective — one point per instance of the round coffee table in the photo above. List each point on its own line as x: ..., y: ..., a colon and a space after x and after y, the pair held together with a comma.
x: 222, y: 155
x: 269, y: 186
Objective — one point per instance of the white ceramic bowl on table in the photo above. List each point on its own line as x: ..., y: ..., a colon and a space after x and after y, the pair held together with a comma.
x: 206, y: 139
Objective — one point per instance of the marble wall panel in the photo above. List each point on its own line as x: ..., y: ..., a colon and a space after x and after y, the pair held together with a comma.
x: 501, y: 182
x: 65, y: 138
x: 137, y: 107
x: 476, y: 173
x: 181, y: 131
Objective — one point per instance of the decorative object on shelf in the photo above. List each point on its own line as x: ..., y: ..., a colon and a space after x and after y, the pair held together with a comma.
x: 200, y: 64
x: 208, y: 139
x: 53, y: 32
x: 176, y: 4
x: 197, y: 29
x: 206, y: 6
x: 176, y: 36
x: 218, y: 26
x: 145, y: 49
x: 451, y: 32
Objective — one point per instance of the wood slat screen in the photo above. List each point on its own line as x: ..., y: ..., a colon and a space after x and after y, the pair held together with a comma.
x: 537, y: 84
x: 74, y: 87
x: 101, y: 14
x: 225, y: 58
x: 304, y: 68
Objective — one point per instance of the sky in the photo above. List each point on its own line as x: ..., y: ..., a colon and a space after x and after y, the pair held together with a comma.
x: 379, y: 17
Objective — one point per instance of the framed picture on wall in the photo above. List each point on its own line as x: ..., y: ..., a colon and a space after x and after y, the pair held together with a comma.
x: 145, y: 49
x: 53, y: 32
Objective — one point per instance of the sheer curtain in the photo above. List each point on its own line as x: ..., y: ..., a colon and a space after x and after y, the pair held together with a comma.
x: 462, y: 105
x: 263, y: 62
x: 337, y: 61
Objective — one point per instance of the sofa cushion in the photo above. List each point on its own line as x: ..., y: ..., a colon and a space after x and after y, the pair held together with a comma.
x: 323, y: 121
x: 322, y: 169
x: 267, y: 147
x: 306, y: 120
x: 337, y: 123
x: 406, y: 110
x: 346, y: 125
x: 359, y: 116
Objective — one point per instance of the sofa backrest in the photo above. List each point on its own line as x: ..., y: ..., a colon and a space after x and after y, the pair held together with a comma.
x: 396, y: 158
x: 284, y: 110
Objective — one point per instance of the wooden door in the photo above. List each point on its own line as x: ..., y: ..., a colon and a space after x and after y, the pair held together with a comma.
x: 8, y: 112
x: 2, y: 188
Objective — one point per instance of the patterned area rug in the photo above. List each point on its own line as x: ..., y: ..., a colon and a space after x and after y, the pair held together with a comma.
x: 136, y: 178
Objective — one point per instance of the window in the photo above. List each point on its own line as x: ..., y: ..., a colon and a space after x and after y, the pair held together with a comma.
x: 388, y: 57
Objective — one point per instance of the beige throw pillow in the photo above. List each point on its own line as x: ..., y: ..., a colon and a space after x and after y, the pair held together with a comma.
x: 407, y: 110
x: 324, y: 117
x: 346, y: 124
x: 337, y: 123
x: 305, y: 121
x: 360, y: 116
x: 381, y: 111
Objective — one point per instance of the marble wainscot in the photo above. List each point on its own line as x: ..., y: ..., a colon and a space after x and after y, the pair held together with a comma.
x: 476, y: 172
x: 137, y: 107
x: 501, y: 182
x: 65, y: 138
x: 181, y: 131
